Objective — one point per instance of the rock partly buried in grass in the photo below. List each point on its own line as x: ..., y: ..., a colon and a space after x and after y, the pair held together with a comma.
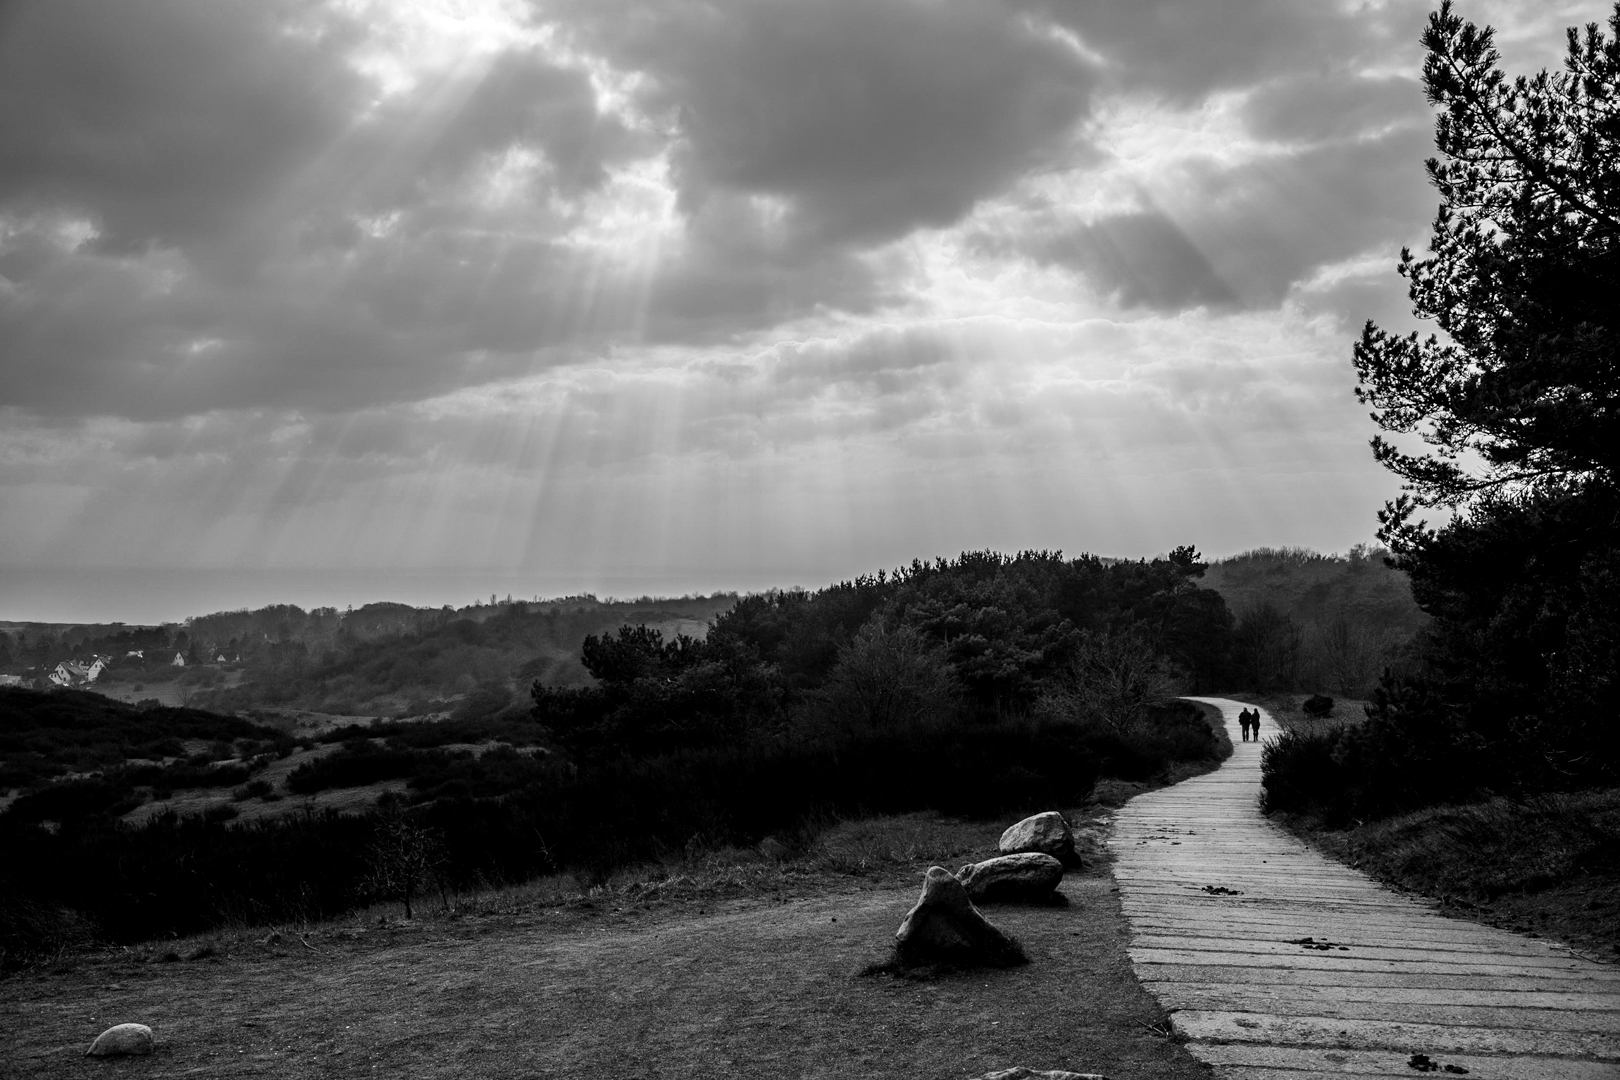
x: 1027, y: 876
x: 1046, y: 833
x: 1024, y: 1072
x: 945, y: 929
x: 124, y: 1040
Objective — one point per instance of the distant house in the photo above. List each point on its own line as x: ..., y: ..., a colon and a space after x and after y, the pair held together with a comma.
x: 221, y: 659
x: 179, y: 660
x: 139, y: 654
x: 69, y: 673
x: 11, y: 680
x: 95, y: 669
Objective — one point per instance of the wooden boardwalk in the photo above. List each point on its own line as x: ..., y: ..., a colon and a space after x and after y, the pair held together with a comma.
x: 1277, y: 963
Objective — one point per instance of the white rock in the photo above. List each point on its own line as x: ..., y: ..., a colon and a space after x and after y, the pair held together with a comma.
x: 124, y: 1039
x: 1048, y: 833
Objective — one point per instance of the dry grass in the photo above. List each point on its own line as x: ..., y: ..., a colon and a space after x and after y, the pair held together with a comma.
x: 1285, y: 709
x: 728, y: 963
x: 1547, y: 867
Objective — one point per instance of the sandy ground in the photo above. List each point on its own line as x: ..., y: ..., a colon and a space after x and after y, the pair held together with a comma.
x: 763, y: 987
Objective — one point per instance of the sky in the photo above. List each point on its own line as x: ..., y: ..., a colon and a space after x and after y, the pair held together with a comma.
x: 331, y: 301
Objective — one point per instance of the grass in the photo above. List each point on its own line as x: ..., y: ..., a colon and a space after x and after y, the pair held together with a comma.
x: 721, y: 964
x: 1285, y: 709
x: 1546, y: 867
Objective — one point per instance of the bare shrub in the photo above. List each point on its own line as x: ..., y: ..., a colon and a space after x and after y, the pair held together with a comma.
x: 1114, y: 678
x: 889, y: 680
x: 404, y: 858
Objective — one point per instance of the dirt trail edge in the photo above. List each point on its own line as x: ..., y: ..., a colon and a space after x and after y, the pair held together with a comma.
x: 1277, y: 963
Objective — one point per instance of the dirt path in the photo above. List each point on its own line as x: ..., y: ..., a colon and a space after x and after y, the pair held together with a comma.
x: 1278, y: 963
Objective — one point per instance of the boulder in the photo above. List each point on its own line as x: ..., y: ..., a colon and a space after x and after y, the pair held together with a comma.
x: 1029, y: 875
x: 1024, y: 1072
x: 1047, y: 833
x: 945, y: 928
x: 122, y: 1040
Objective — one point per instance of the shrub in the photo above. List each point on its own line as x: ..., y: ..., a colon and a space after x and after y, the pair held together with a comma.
x: 1301, y: 774
x: 357, y: 764
x: 1317, y: 705
x: 253, y: 789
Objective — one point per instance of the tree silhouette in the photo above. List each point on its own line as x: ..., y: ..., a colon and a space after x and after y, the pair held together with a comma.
x: 1522, y: 276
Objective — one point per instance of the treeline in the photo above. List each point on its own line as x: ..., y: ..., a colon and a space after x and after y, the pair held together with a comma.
x: 380, y: 659
x: 1511, y: 689
x: 492, y: 653
x: 1312, y: 622
x: 987, y: 684
x: 1508, y: 421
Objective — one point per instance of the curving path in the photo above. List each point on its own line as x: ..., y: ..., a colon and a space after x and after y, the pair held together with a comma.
x: 1254, y: 999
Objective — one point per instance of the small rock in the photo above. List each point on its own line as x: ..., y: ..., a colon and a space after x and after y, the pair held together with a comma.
x: 1047, y: 833
x: 1024, y: 1072
x: 122, y: 1040
x: 1029, y: 875
x: 945, y: 928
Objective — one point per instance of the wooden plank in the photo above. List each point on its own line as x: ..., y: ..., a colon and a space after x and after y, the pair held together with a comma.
x: 1213, y: 1026
x: 1254, y: 1003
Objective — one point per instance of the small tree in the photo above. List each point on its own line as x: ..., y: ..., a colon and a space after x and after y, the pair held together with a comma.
x: 886, y: 680
x: 404, y: 856
x: 1113, y: 678
x: 1266, y: 647
x: 1523, y: 275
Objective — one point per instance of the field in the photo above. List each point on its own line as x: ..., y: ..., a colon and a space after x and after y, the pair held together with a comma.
x: 730, y: 963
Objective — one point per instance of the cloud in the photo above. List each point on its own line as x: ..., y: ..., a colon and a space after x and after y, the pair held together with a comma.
x: 166, y: 121
x: 1187, y: 51
x: 1137, y: 259
x: 868, y: 119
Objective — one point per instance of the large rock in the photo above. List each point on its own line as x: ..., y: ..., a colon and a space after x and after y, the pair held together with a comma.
x: 1024, y: 1072
x: 125, y: 1039
x: 1029, y: 875
x: 945, y: 928
x: 1046, y: 833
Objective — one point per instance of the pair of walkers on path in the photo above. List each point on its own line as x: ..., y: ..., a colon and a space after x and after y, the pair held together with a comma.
x: 1249, y: 721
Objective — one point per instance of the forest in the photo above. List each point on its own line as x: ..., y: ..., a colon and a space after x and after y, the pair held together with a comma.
x: 975, y: 686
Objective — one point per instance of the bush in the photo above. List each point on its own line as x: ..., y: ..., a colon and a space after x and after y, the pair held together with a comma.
x: 356, y: 764
x: 1318, y: 705
x: 253, y: 789
x: 1300, y: 773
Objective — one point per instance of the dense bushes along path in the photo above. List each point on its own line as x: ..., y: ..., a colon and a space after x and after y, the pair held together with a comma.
x: 1277, y: 962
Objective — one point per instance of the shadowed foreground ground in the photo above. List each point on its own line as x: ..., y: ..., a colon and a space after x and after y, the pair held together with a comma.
x: 758, y: 987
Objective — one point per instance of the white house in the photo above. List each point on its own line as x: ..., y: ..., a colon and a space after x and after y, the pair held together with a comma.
x: 179, y: 660
x: 69, y: 673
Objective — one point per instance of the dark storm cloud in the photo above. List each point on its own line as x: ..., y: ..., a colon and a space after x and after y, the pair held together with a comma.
x: 871, y: 118
x: 210, y: 203
x: 1141, y: 259
x: 165, y: 120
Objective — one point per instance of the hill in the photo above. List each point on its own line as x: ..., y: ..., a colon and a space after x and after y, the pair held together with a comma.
x: 1309, y: 622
